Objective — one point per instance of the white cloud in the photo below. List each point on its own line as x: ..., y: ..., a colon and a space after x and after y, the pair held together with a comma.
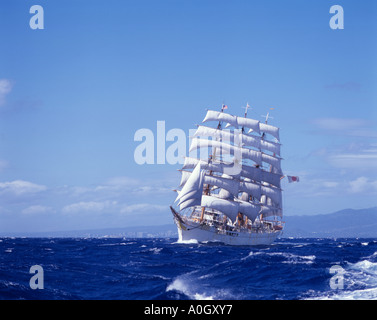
x: 363, y: 185
x: 142, y: 207
x: 20, y: 187
x: 122, y: 181
x: 354, y: 127
x: 156, y: 190
x: 358, y: 157
x: 330, y: 184
x: 354, y: 161
x: 312, y: 187
x: 88, y: 206
x: 119, y: 187
x: 339, y: 123
x: 37, y: 209
x: 5, y: 88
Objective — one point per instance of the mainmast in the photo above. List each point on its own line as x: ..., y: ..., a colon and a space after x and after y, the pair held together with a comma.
x: 274, y: 154
x: 207, y: 189
x: 247, y: 196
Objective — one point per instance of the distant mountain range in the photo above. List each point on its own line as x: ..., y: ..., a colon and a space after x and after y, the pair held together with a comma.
x: 348, y: 223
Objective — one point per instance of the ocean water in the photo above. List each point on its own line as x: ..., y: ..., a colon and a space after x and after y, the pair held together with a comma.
x: 162, y: 269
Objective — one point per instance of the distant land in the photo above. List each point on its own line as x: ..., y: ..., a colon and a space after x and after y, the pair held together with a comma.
x: 160, y: 231
x: 348, y: 223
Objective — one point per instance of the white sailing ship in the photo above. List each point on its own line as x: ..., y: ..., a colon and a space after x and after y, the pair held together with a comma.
x: 233, y: 196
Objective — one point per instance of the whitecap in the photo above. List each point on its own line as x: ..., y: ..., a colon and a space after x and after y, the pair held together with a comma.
x: 290, y: 257
x: 364, y: 294
x: 191, y: 241
x: 364, y: 264
x: 360, y: 282
x: 184, y: 287
x: 155, y: 250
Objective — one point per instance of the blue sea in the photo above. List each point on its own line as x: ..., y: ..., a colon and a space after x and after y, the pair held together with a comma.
x: 162, y: 269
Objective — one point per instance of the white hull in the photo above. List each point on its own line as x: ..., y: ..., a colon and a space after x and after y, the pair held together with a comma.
x: 205, y: 233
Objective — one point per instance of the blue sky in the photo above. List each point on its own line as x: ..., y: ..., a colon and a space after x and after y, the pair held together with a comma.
x: 73, y: 95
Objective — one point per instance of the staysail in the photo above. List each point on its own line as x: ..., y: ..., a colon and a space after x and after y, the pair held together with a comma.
x: 191, y: 193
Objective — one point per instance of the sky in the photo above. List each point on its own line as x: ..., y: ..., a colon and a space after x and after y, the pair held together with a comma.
x: 73, y: 95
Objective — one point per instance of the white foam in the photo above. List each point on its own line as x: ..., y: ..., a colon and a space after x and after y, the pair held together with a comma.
x: 191, y: 241
x: 290, y: 257
x: 181, y: 285
x: 360, y: 274
x: 155, y: 250
x: 365, y: 294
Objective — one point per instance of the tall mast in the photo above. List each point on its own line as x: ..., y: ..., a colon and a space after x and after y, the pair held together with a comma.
x: 243, y: 130
x: 206, y: 191
x: 246, y: 108
x: 266, y: 122
x: 268, y: 116
x: 240, y: 215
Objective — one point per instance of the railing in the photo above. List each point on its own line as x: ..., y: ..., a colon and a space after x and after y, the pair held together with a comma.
x: 212, y: 218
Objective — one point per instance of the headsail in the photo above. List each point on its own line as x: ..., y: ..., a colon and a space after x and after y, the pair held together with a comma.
x: 191, y: 193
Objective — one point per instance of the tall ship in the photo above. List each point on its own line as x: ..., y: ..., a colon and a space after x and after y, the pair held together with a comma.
x: 232, y: 194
